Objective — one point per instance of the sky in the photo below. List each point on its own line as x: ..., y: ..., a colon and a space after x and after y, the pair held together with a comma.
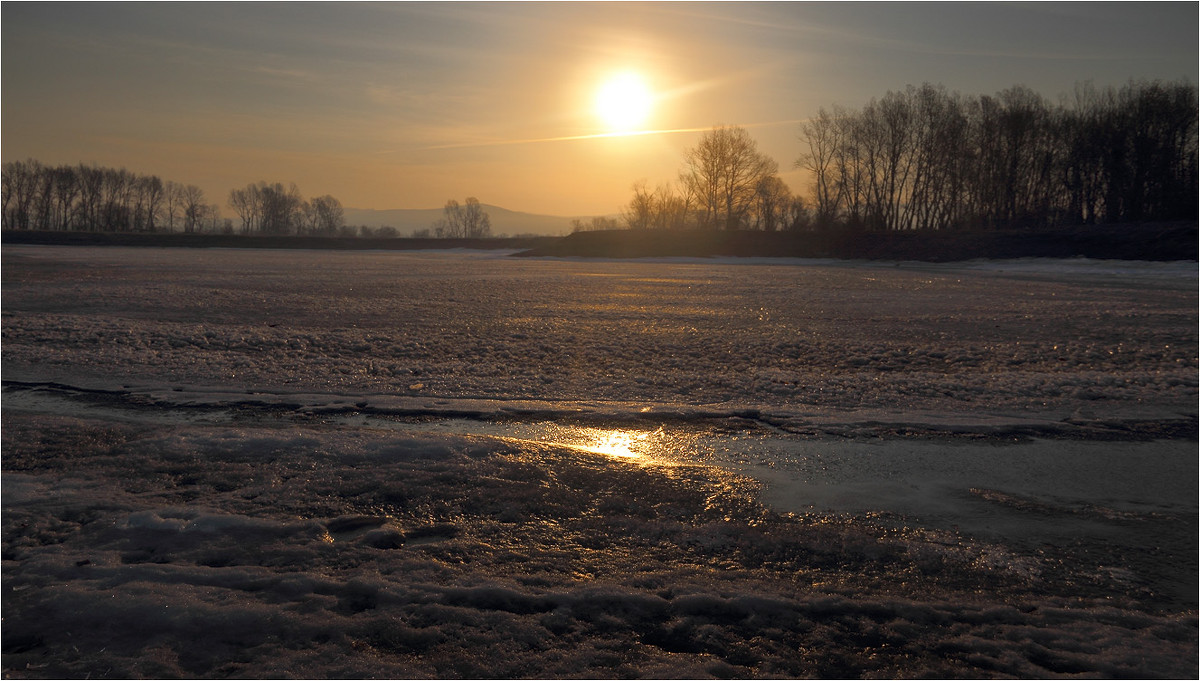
x: 406, y: 105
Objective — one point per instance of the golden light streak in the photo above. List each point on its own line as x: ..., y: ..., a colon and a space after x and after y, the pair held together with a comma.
x: 617, y: 443
x: 567, y: 138
x: 603, y: 135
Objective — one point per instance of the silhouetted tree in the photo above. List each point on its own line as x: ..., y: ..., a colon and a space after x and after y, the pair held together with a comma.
x: 771, y: 199
x: 280, y: 208
x: 173, y: 202
x: 797, y: 216
x: 721, y: 173
x: 274, y: 209
x: 467, y: 221
x: 664, y: 208
x: 20, y: 186
x: 596, y: 224
x: 823, y: 135
x: 193, y: 208
x: 324, y: 215
x: 90, y: 198
x: 246, y: 204
x: 148, y: 198
x: 66, y: 189
x: 928, y: 159
x: 639, y: 214
x: 91, y: 188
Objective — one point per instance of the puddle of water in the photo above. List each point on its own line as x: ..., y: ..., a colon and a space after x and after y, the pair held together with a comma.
x: 651, y: 446
x: 1044, y: 491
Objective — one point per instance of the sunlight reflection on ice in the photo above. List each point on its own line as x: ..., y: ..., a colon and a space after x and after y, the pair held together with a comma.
x: 622, y: 443
x: 614, y: 442
x: 659, y: 446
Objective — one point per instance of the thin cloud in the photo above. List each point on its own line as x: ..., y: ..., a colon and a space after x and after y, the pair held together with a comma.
x: 602, y: 135
x: 808, y: 28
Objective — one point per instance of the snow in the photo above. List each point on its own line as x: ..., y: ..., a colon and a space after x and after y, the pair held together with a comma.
x: 241, y: 463
x: 487, y: 327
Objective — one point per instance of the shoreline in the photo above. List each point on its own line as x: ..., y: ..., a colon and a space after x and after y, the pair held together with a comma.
x: 1151, y: 242
x: 411, y: 553
x: 1162, y: 242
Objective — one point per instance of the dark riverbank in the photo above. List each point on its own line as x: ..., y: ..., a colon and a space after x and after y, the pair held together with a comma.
x: 1161, y: 242
x: 1155, y: 242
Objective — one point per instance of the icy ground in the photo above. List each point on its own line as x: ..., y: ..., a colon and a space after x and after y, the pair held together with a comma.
x: 305, y: 464
x: 939, y: 339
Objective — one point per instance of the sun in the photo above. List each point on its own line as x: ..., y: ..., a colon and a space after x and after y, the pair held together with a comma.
x: 624, y: 102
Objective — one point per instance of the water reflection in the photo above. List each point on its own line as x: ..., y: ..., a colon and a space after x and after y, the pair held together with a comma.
x: 659, y: 446
x: 614, y: 442
x: 610, y: 443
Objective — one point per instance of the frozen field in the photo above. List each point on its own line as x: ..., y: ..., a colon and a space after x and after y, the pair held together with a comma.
x: 412, y: 464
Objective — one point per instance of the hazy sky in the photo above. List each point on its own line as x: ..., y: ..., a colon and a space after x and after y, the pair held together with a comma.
x: 404, y: 105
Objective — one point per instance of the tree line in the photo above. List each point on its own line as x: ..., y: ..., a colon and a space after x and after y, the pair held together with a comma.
x: 93, y: 198
x: 273, y: 209
x: 926, y: 158
x: 921, y: 158
x: 726, y: 183
x: 99, y: 199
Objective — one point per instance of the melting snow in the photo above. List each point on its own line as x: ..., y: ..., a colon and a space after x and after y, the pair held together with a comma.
x: 243, y: 463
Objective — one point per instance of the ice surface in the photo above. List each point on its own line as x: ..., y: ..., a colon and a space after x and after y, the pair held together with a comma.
x: 241, y: 463
x: 334, y: 552
x: 321, y: 551
x: 481, y: 326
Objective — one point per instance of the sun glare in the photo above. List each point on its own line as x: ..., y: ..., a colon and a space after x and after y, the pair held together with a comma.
x: 619, y: 443
x: 624, y: 102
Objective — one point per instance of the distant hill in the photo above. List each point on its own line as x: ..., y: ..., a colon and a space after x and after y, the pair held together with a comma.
x: 504, y: 221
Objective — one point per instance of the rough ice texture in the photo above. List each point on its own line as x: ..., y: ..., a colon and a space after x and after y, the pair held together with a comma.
x: 780, y: 336
x: 302, y: 546
x: 215, y: 551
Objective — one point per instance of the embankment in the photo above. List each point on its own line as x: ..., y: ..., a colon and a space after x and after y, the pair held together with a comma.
x: 1157, y: 242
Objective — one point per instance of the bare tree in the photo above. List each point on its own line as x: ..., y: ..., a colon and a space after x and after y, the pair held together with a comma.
x: 796, y: 215
x: 245, y: 202
x: 639, y: 214
x: 326, y: 215
x: 148, y: 196
x: 449, y: 226
x: 280, y: 208
x: 91, y: 183
x: 172, y: 205
x: 722, y: 171
x: 193, y: 208
x: 20, y: 193
x: 823, y: 136
x: 8, y: 184
x: 43, y: 211
x: 476, y: 223
x: 771, y: 199
x: 66, y: 189
x: 598, y: 223
x: 468, y: 221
